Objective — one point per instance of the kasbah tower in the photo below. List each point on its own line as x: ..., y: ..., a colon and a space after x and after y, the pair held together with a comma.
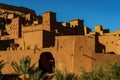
x: 71, y: 45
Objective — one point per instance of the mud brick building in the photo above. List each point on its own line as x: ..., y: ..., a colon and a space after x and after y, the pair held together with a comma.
x: 71, y: 45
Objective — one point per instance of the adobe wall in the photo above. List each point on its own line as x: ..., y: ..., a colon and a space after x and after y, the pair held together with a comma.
x: 48, y: 39
x: 32, y: 28
x: 111, y: 43
x: 13, y: 29
x: 63, y: 60
x: 70, y: 53
x: 33, y: 39
x: 21, y: 43
x: 62, y: 53
x: 65, y: 49
x: 103, y: 59
x: 84, y: 49
x: 10, y: 56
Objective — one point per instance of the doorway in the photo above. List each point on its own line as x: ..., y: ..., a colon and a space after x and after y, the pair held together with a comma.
x: 46, y: 62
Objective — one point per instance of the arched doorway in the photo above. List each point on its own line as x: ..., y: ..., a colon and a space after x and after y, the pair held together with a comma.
x: 46, y: 62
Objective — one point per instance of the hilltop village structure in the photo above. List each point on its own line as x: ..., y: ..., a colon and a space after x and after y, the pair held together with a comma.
x: 69, y: 46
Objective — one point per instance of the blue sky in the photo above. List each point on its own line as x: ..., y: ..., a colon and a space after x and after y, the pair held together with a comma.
x: 93, y: 12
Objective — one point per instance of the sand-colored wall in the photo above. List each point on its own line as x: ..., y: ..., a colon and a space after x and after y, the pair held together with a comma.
x: 65, y: 50
x: 104, y: 59
x: 84, y: 49
x: 33, y: 39
x: 32, y: 28
x: 21, y: 43
x: 14, y: 28
x: 69, y: 52
x: 111, y: 43
x: 17, y: 55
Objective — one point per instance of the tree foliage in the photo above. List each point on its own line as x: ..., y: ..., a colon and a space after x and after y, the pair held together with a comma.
x: 1, y: 65
x: 64, y: 76
x: 111, y: 72
x: 24, y: 68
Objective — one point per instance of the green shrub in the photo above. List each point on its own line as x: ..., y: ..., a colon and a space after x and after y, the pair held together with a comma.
x: 35, y: 74
x: 25, y: 69
x: 65, y: 76
x: 111, y: 72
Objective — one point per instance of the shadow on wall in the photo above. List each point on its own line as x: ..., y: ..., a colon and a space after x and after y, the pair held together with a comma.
x: 46, y: 62
x: 4, y: 44
x: 48, y: 39
x: 99, y: 48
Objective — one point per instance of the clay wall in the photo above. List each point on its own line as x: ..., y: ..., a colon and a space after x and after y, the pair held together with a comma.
x: 48, y: 39
x: 21, y: 43
x: 11, y: 16
x: 74, y: 23
x: 14, y: 29
x: 33, y: 39
x: 39, y: 39
x: 65, y: 51
x: 67, y: 31
x: 28, y: 17
x: 70, y: 54
x: 98, y: 28
x: 87, y: 30
x: 84, y: 49
x: 104, y: 59
x: 63, y: 59
x: 32, y: 28
x: 5, y: 44
x: 49, y: 21
x: 17, y: 55
x: 5, y: 37
x: 111, y: 43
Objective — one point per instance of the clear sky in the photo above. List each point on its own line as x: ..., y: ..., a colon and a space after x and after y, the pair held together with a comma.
x: 93, y: 12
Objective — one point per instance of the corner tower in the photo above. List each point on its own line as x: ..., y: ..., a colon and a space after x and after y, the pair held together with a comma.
x: 78, y: 25
x: 49, y: 21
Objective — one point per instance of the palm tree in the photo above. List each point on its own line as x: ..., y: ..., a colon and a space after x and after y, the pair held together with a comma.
x: 23, y: 67
x: 35, y: 74
x: 1, y: 65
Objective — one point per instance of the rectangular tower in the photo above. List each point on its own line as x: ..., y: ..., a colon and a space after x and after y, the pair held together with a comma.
x: 49, y: 21
x: 78, y: 25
